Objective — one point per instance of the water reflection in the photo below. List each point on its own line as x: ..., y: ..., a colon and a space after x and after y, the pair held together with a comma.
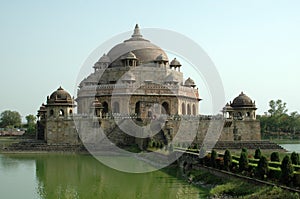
x: 81, y: 176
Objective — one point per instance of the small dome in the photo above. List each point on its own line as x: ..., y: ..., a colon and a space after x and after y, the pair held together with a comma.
x: 175, y: 63
x: 161, y: 57
x: 129, y: 55
x: 42, y: 108
x: 104, y: 59
x: 242, y: 101
x: 59, y: 96
x: 189, y: 82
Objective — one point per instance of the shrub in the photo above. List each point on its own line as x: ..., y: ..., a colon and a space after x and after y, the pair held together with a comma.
x: 296, y: 179
x: 153, y: 144
x: 213, y: 158
x: 274, y: 173
x: 161, y: 145
x: 245, y: 150
x: 243, y: 162
x: 275, y: 157
x: 262, y: 168
x: 287, y: 170
x: 295, y: 158
x: 157, y: 144
x: 227, y: 160
x: 257, y: 154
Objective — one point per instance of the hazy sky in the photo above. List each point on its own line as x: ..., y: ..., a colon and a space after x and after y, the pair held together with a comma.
x: 255, y: 45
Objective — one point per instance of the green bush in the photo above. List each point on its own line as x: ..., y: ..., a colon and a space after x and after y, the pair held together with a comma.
x: 296, y: 179
x: 257, y: 154
x: 262, y: 168
x: 243, y: 163
x: 274, y: 173
x: 275, y: 164
x: 275, y: 157
x: 287, y: 170
x: 296, y: 167
x: 213, y: 158
x: 295, y: 158
x: 227, y: 160
x: 245, y: 150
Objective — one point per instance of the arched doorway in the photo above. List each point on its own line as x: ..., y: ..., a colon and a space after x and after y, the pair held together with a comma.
x: 189, y: 109
x: 183, y: 112
x: 165, y: 108
x: 105, y: 107
x: 137, y: 110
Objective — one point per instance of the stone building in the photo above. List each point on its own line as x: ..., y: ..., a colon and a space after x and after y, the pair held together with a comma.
x: 135, y: 81
x: 136, y: 78
x: 55, y: 119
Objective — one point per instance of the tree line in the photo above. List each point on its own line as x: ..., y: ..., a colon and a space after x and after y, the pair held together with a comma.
x: 12, y: 120
x: 277, y: 119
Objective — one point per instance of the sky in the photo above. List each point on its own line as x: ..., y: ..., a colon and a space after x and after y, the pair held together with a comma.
x: 254, y: 45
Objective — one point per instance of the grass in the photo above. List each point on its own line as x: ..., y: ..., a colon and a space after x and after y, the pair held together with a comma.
x: 237, y: 188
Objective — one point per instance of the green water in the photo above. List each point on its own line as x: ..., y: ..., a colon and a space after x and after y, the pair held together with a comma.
x: 37, y: 176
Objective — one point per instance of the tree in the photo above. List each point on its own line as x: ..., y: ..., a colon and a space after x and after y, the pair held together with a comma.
x: 262, y: 169
x: 213, y: 158
x: 31, y: 124
x: 295, y: 158
x: 227, y: 160
x: 287, y: 170
x: 243, y: 162
x: 245, y: 150
x: 9, y: 119
x: 257, y: 154
x: 275, y: 156
x: 277, y: 108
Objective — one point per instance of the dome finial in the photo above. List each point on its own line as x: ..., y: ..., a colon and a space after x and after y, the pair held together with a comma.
x: 136, y: 32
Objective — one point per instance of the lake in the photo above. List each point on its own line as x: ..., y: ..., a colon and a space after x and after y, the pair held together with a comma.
x: 72, y: 176
x: 291, y: 147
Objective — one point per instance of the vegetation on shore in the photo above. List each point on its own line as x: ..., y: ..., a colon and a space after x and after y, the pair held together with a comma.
x: 277, y: 124
x: 235, y: 188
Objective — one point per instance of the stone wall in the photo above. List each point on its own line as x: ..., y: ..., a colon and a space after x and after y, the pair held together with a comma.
x: 61, y: 131
x: 248, y: 130
x: 178, y: 129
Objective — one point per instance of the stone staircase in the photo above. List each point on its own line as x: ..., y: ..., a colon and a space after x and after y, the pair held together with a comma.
x: 264, y: 144
x: 36, y: 145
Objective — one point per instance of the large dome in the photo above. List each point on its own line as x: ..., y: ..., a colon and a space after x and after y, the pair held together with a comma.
x: 59, y: 96
x: 143, y: 49
x: 242, y: 101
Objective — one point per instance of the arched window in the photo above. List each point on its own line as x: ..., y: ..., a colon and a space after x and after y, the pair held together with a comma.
x: 105, y: 107
x: 194, y: 109
x: 137, y: 108
x: 183, y: 109
x: 51, y: 112
x: 116, y: 107
x: 189, y: 109
x: 61, y: 112
x: 70, y: 111
x: 165, y: 108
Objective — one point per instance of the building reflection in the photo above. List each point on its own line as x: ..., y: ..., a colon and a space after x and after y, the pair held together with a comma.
x: 82, y: 176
